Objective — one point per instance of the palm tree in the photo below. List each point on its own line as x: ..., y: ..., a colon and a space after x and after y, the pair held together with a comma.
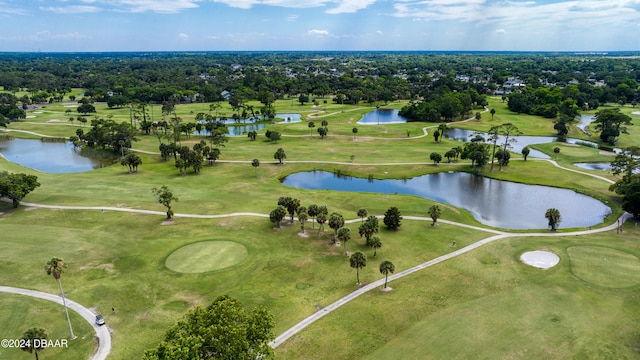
x: 31, y: 346
x: 434, y: 213
x: 369, y: 227
x: 442, y: 128
x: 358, y: 260
x: 354, y: 131
x: 344, y: 235
x: 362, y: 213
x: 311, y: 126
x: 493, y: 112
x: 375, y: 243
x: 302, y: 217
x: 312, y: 211
x: 386, y: 267
x: 321, y: 218
x: 255, y: 163
x: 55, y: 267
x: 336, y: 221
x: 553, y: 215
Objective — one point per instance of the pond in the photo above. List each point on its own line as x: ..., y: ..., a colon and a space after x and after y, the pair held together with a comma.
x: 49, y: 157
x: 382, y: 116
x: 585, y: 120
x: 594, y: 166
x: 243, y: 126
x: 516, y: 145
x: 492, y: 202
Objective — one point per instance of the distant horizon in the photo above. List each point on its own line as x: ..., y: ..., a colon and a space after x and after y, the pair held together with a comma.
x: 318, y: 25
x: 563, y: 52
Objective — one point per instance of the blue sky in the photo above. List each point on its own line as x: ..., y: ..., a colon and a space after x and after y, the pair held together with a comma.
x: 210, y: 25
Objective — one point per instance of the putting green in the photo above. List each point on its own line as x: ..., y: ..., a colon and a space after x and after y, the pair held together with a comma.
x: 206, y: 256
x: 604, y: 267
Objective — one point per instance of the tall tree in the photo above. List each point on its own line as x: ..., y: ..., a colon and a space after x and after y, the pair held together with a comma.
x: 344, y: 235
x: 34, y: 340
x: 362, y: 213
x: 311, y: 125
x: 434, y: 213
x: 355, y: 132
x: 336, y: 221
x: 509, y: 131
x: 369, y: 227
x: 553, y: 215
x: 386, y: 267
x: 435, y: 157
x: 222, y: 330
x: 255, y: 163
x: 493, y: 112
x: 277, y: 215
x: 312, y: 210
x: 357, y: 261
x: 302, y: 217
x: 525, y: 152
x: 280, y: 155
x: 374, y: 243
x: 55, y: 267
x: 165, y: 197
x: 321, y: 218
x: 392, y: 218
x: 610, y: 123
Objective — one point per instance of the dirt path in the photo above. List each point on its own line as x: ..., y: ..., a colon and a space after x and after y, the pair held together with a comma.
x: 102, y: 332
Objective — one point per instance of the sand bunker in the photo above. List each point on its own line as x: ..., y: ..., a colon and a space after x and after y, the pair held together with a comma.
x: 30, y: 117
x: 540, y: 259
x: 635, y: 113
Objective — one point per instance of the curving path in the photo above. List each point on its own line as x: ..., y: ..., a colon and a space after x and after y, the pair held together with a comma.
x: 102, y: 332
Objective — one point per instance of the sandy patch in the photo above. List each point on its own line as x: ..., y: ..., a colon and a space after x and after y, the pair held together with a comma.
x: 540, y: 259
x: 305, y: 235
x: 55, y: 121
x: 607, y: 153
x: 30, y: 117
x: 635, y: 113
x: 385, y: 289
x: 168, y: 222
x: 37, y: 112
x: 71, y: 106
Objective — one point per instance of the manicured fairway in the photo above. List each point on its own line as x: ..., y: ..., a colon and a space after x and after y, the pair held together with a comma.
x: 603, y: 266
x: 206, y: 256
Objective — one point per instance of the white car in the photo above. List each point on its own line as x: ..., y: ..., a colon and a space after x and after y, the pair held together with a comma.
x: 99, y: 320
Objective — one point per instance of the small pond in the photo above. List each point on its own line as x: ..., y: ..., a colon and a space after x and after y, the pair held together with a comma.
x: 492, y: 202
x: 594, y: 166
x: 243, y: 126
x: 49, y: 157
x: 382, y: 116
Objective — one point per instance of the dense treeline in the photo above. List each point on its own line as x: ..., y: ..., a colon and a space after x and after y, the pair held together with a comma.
x: 349, y: 77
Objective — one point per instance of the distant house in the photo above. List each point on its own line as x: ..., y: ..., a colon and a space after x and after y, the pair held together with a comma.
x: 226, y: 95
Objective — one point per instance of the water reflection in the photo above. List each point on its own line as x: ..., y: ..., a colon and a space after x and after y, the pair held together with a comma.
x: 49, y: 157
x: 382, y: 116
x: 492, y: 202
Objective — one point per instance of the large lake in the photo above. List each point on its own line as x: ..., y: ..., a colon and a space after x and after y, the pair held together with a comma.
x: 49, y: 157
x: 492, y: 202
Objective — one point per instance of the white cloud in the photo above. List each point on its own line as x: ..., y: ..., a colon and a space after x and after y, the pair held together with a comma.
x: 292, y: 18
x: 379, y: 32
x: 318, y: 32
x: 350, y: 6
x: 7, y: 10
x: 338, y: 6
x: 501, y: 31
x: 73, y: 9
x: 183, y: 36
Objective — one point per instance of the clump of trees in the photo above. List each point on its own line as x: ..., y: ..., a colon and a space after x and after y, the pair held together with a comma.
x: 443, y: 106
x: 611, y: 123
x: 627, y: 164
x: 108, y: 133
x: 223, y: 330
x: 16, y: 186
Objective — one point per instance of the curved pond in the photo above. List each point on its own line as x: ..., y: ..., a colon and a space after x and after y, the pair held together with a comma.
x: 492, y: 202
x: 516, y: 145
x: 382, y: 116
x: 585, y: 120
x: 49, y: 157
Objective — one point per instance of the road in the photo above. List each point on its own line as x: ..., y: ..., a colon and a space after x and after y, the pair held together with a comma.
x: 102, y: 332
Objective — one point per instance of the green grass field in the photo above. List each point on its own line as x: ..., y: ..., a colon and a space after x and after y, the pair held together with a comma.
x: 484, y: 304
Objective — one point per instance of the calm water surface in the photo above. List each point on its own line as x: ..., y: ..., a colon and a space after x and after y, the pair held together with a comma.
x: 492, y: 202
x: 54, y: 158
x: 382, y: 116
